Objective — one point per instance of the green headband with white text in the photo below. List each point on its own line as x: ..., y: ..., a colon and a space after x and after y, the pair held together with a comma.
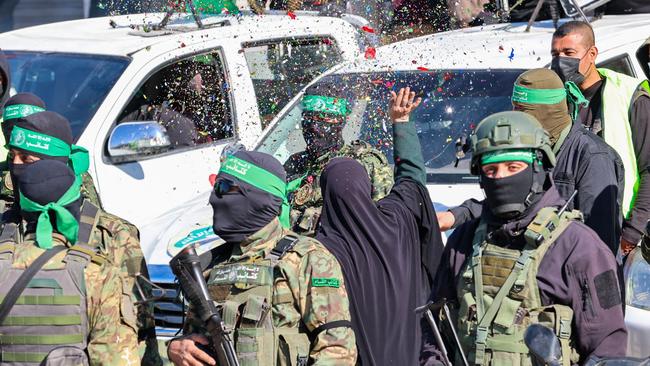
x: 20, y: 111
x: 525, y: 155
x: 41, y: 143
x: 322, y: 104
x: 263, y: 180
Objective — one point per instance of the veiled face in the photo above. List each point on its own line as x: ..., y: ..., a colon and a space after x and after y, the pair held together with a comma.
x: 503, y: 170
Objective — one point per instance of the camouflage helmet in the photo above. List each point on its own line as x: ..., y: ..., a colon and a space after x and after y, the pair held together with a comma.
x: 508, y: 131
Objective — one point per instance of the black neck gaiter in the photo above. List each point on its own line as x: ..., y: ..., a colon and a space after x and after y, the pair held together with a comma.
x: 239, y: 215
x: 321, y: 137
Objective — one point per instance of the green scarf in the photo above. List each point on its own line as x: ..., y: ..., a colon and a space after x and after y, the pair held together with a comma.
x: 263, y: 180
x: 66, y: 223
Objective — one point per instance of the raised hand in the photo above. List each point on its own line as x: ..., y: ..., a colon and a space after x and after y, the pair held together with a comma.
x: 402, y: 104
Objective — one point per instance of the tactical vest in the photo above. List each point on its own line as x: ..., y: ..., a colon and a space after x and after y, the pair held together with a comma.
x: 245, y: 293
x: 618, y: 95
x: 491, y: 327
x: 50, y: 317
x: 307, y: 201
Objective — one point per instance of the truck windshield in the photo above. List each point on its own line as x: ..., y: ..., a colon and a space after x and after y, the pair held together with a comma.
x: 453, y: 103
x: 72, y: 85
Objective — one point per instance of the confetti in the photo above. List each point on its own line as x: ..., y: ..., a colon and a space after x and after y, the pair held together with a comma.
x: 365, y: 28
x: 500, y: 48
x: 291, y: 15
x: 421, y: 68
x: 371, y: 53
x: 389, y: 84
x: 512, y: 55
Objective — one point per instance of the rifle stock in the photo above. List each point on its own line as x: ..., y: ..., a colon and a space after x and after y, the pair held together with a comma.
x: 186, y: 267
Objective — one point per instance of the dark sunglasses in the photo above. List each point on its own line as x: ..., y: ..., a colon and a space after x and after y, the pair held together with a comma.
x: 223, y: 186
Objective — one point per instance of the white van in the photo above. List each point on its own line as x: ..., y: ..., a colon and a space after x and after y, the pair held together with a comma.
x: 226, y: 79
x: 463, y: 76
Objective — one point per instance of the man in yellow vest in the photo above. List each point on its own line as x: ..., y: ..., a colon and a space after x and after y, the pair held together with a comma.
x: 618, y: 111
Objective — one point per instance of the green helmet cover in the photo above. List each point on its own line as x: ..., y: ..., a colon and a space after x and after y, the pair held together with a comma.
x: 512, y: 130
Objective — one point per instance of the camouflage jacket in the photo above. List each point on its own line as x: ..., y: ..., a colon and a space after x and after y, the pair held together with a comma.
x: 119, y: 241
x: 307, y: 201
x: 309, y: 306
x: 111, y: 341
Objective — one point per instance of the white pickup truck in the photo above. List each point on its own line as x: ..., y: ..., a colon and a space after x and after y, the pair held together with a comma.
x: 222, y: 81
x: 463, y: 76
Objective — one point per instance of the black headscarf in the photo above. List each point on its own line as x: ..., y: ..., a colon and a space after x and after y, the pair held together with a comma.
x: 240, y: 214
x: 20, y: 98
x: 45, y: 181
x: 5, y: 75
x: 389, y: 254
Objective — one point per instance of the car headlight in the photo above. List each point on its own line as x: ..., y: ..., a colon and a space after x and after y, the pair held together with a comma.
x: 637, y: 281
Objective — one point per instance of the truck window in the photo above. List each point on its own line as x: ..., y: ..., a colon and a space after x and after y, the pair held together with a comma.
x: 619, y: 64
x: 281, y: 68
x: 190, y: 98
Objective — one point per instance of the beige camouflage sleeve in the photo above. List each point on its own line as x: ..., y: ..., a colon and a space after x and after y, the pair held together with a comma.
x: 323, y: 299
x: 111, y: 342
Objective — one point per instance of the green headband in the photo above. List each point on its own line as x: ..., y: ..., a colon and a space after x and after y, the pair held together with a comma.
x: 20, y: 111
x: 521, y: 94
x: 40, y: 143
x: 66, y: 223
x: 262, y: 179
x: 322, y: 104
x: 525, y: 155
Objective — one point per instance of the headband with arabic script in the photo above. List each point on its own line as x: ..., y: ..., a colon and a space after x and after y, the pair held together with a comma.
x: 66, y: 223
x: 261, y: 179
x: 521, y: 94
x: 525, y: 155
x: 41, y: 143
x: 20, y: 111
x: 322, y: 104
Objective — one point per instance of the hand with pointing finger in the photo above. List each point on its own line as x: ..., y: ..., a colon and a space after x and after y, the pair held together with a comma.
x: 402, y: 104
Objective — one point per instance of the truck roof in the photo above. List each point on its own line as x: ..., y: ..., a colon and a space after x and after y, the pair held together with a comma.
x: 496, y: 46
x: 116, y: 36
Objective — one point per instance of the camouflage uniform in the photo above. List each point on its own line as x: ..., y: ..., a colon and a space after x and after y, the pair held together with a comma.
x: 298, y: 301
x: 110, y: 341
x: 119, y: 241
x: 307, y: 201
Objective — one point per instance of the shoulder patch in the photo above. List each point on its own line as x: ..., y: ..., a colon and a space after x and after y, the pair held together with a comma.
x: 326, y: 282
x: 607, y: 289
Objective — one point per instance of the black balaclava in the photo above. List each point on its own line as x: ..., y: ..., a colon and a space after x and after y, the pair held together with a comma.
x: 511, y: 197
x: 45, y: 181
x: 568, y: 69
x: 240, y: 214
x: 48, y: 123
x: 5, y: 77
x: 321, y: 136
x: 20, y: 98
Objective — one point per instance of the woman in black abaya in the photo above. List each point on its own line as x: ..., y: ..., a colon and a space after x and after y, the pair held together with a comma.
x: 389, y: 250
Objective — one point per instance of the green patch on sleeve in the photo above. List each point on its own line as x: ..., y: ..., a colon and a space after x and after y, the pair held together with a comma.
x: 325, y: 282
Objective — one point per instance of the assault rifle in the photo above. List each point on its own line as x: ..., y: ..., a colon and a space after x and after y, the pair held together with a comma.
x: 186, y: 266
x: 451, y: 335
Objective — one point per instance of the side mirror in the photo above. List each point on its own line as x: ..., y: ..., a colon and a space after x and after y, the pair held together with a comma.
x: 132, y: 141
x: 544, y: 345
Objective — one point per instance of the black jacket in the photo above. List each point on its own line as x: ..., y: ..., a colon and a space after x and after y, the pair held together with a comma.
x: 587, y: 164
x: 577, y: 271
